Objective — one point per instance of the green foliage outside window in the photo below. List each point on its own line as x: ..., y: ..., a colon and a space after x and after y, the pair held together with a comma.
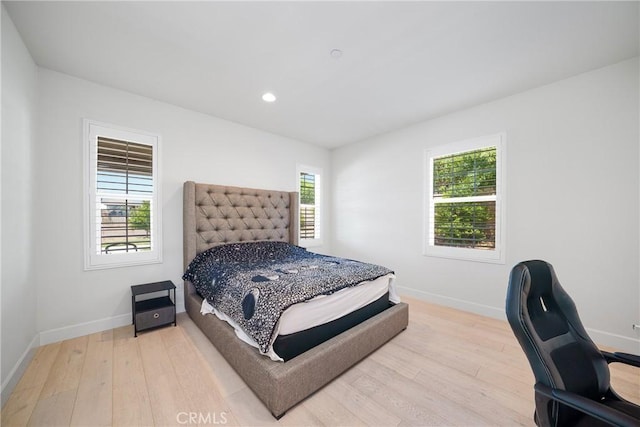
x: 460, y: 223
x: 472, y: 173
x: 469, y: 225
x: 307, y: 189
x: 140, y: 217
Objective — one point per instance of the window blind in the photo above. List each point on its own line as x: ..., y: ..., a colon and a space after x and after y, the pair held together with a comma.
x: 307, y: 205
x: 124, y: 167
x: 464, y: 196
x: 124, y: 190
x: 467, y: 174
x: 467, y: 225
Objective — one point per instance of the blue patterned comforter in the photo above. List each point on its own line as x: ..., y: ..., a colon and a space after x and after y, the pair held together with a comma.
x: 255, y: 282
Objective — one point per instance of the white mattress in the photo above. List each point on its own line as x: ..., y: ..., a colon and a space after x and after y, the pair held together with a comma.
x: 319, y: 310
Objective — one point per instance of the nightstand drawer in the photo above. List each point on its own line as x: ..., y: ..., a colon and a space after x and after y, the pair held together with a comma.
x: 152, y: 318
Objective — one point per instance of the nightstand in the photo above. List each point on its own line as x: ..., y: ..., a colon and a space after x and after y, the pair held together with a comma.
x: 153, y: 312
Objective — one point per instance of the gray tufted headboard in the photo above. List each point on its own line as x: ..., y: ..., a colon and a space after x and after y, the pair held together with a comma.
x: 215, y: 214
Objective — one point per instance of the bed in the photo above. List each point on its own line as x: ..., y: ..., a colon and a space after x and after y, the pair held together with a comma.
x: 215, y: 215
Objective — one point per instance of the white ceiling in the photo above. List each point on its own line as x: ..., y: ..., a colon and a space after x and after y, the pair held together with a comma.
x: 403, y: 62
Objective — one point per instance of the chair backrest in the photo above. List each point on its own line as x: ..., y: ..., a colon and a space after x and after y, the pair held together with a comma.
x: 545, y: 322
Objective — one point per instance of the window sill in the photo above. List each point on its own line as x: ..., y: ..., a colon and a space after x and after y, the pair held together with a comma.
x: 90, y: 265
x: 464, y: 254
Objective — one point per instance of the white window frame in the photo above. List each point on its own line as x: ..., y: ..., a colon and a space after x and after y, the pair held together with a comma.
x: 496, y: 255
x: 317, y: 241
x: 93, y: 259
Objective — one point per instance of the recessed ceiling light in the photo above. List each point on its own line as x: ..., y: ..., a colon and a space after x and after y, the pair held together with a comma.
x: 336, y: 53
x: 268, y: 97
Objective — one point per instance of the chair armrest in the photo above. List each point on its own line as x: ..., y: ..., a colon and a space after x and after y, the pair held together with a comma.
x: 587, y: 406
x: 626, y: 358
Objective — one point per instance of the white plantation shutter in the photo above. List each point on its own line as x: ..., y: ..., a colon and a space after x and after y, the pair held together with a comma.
x: 464, y: 200
x: 123, y: 197
x: 308, y: 224
x: 309, y: 189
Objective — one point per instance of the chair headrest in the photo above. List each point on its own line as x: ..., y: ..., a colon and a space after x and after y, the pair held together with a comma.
x: 541, y: 274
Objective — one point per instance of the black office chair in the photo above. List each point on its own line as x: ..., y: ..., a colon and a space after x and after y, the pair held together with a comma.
x: 572, y: 376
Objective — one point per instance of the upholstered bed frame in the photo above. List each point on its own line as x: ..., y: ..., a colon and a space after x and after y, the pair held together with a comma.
x: 215, y: 215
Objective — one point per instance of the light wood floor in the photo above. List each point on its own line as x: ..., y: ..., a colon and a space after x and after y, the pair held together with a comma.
x: 448, y: 368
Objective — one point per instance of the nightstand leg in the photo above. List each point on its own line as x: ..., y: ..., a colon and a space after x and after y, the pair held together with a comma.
x: 133, y: 316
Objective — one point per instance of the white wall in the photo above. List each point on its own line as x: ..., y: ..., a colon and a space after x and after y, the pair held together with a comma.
x: 572, y: 199
x: 18, y: 294
x: 194, y: 147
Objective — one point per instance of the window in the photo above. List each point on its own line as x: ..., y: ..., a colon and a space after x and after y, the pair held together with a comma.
x: 122, y: 214
x: 309, y: 191
x: 465, y: 200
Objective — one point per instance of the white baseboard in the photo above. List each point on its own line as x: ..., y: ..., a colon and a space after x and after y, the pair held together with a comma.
x: 619, y: 342
x: 16, y: 373
x: 485, y: 310
x: 86, y: 328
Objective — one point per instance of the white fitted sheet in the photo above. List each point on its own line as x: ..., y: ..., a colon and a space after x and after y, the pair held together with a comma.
x: 319, y: 310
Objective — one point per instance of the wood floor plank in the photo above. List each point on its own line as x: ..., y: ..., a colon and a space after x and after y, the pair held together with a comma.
x: 389, y: 356
x: 58, y: 395
x: 23, y: 400
x: 358, y: 404
x: 433, y: 402
x: 625, y: 380
x: 67, y: 368
x: 396, y: 404
x: 195, y: 376
x: 460, y: 331
x: 333, y: 411
x: 479, y: 398
x: 300, y: 416
x: 227, y: 380
x: 522, y: 386
x: 249, y: 410
x: 447, y: 357
x: 166, y: 395
x: 131, y: 403
x: 93, y: 406
x: 54, y: 410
